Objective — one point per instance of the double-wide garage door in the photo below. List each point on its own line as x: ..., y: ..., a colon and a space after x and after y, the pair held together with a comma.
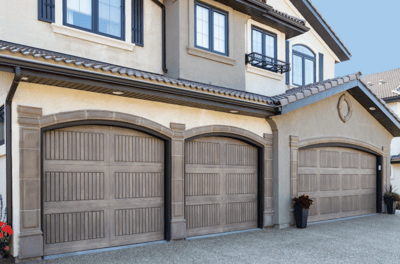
x: 341, y: 181
x: 103, y: 186
x: 220, y: 186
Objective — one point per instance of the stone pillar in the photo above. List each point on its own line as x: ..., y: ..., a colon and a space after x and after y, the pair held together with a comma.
x: 294, y: 168
x: 31, y: 235
x: 268, y: 182
x: 178, y: 222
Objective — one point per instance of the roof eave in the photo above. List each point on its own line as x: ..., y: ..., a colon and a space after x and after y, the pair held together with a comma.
x: 75, y: 78
x: 322, y: 28
x: 263, y: 13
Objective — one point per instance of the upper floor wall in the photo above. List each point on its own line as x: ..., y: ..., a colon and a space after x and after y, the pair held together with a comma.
x: 191, y: 53
x: 19, y: 23
x: 226, y: 65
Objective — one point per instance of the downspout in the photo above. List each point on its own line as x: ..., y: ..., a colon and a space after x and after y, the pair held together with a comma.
x: 164, y: 38
x: 10, y: 96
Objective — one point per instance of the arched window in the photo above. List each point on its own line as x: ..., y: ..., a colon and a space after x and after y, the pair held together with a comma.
x: 303, y: 65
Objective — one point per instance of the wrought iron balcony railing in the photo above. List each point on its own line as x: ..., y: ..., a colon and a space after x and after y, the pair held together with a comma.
x: 267, y: 63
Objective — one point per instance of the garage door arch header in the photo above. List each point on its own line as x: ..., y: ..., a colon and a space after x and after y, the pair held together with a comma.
x: 225, y: 131
x: 340, y: 142
x: 89, y: 117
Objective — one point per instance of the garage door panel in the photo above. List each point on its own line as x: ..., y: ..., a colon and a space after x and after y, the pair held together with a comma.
x: 241, y: 212
x: 342, y: 182
x: 79, y: 144
x: 75, y: 226
x: 350, y: 160
x: 206, y: 153
x: 202, y: 184
x: 241, y: 155
x: 308, y: 182
x: 329, y: 182
x: 74, y: 186
x: 308, y: 158
x: 138, y: 185
x: 202, y: 215
x: 238, y: 183
x: 329, y: 205
x: 110, y: 194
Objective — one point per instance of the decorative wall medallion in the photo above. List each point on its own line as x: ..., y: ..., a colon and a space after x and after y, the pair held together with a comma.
x: 345, y: 108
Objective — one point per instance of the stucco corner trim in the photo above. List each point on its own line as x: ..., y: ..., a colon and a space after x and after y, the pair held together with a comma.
x: 264, y: 73
x: 88, y: 36
x: 210, y: 56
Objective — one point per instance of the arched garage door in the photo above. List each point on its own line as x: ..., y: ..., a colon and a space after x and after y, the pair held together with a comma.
x: 102, y: 187
x: 341, y: 181
x: 220, y: 186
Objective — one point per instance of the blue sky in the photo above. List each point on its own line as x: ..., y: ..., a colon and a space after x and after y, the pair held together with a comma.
x: 370, y: 30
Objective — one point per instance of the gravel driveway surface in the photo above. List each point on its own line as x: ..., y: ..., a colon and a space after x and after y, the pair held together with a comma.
x: 371, y: 239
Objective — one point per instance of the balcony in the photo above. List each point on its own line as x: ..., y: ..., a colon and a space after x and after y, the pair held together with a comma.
x: 267, y: 63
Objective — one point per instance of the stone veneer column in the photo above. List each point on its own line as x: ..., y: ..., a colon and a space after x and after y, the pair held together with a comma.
x: 178, y: 222
x: 268, y: 181
x: 385, y: 174
x: 294, y: 168
x: 31, y: 235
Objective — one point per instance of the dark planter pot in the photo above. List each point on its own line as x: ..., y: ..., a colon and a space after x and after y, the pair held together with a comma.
x: 301, y: 216
x: 391, y: 206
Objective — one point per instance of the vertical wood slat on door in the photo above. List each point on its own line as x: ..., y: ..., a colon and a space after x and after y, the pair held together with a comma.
x: 68, y: 227
x: 70, y: 145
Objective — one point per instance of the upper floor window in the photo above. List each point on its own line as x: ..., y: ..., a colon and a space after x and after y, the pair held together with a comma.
x: 211, y: 29
x: 1, y: 125
x: 263, y: 43
x: 303, y: 65
x: 104, y: 17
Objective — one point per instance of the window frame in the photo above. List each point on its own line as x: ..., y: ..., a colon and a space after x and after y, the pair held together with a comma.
x: 263, y: 34
x: 304, y: 57
x: 95, y: 20
x: 2, y: 112
x: 211, y: 11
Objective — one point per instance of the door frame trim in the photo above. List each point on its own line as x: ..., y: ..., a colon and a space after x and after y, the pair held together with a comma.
x: 260, y: 166
x: 167, y: 161
x: 361, y: 147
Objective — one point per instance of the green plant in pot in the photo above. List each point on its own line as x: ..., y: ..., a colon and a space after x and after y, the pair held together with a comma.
x: 302, y: 206
x: 391, y: 198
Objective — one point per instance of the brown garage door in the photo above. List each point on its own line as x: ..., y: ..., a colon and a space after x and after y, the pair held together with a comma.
x: 220, y: 186
x: 341, y: 181
x: 103, y: 186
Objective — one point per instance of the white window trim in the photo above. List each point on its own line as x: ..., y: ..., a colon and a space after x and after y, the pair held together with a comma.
x: 210, y: 55
x: 92, y: 37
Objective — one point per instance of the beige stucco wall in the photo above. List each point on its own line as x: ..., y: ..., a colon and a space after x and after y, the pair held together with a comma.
x: 19, y: 24
x: 395, y: 150
x: 55, y: 100
x: 5, y: 82
x: 320, y: 120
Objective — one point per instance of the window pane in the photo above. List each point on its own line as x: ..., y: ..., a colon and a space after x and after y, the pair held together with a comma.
x: 297, y: 70
x: 202, y: 27
x: 1, y: 127
x: 110, y: 17
x: 304, y: 50
x: 269, y: 46
x: 257, y: 42
x: 79, y: 13
x: 219, y: 32
x: 309, y: 74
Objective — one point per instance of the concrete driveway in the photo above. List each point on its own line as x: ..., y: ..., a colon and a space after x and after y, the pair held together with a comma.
x: 371, y: 239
